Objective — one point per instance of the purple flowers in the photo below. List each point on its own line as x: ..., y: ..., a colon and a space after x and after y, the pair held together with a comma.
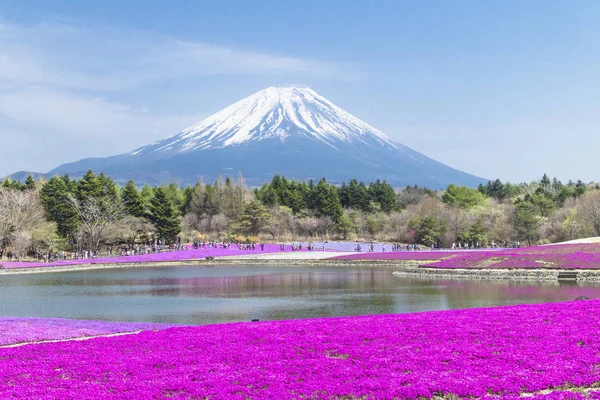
x: 503, y: 351
x: 568, y: 256
x: 154, y: 257
x: 402, y: 255
x: 22, y: 330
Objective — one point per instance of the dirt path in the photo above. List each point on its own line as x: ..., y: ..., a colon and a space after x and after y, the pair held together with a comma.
x: 75, y: 339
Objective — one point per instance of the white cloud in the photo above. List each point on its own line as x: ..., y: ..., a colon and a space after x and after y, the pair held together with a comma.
x: 106, y: 60
x: 63, y: 88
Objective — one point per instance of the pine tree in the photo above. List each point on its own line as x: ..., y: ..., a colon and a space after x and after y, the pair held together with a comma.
x: 57, y: 205
x: 344, y: 193
x: 383, y: 194
x: 146, y: 195
x: 326, y: 201
x: 310, y: 195
x: 211, y: 203
x: 88, y: 186
x: 12, y: 184
x: 29, y: 183
x: 232, y: 199
x: 176, y: 195
x: 254, y: 218
x: 298, y: 197
x: 165, y: 216
x: 267, y: 195
x: 357, y: 196
x: 108, y: 189
x: 132, y: 200
x: 198, y: 199
x: 527, y: 222
x: 345, y: 226
x: 187, y: 199
x: 545, y: 182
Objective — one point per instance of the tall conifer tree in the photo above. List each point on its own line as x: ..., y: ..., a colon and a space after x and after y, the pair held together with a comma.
x: 165, y: 216
x: 132, y: 200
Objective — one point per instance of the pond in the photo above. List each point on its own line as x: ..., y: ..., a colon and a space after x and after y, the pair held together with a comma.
x: 206, y: 295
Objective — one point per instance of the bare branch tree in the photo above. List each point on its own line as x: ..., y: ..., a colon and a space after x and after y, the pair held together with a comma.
x: 219, y: 224
x: 129, y: 230
x: 21, y: 242
x: 20, y: 211
x: 95, y: 215
x: 589, y: 211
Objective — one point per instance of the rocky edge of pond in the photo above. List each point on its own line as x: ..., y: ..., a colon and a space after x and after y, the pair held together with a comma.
x: 500, y: 274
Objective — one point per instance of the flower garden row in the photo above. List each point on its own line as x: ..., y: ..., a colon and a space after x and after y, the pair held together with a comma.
x: 165, y: 256
x: 181, y: 255
x: 567, y: 256
x: 500, y: 352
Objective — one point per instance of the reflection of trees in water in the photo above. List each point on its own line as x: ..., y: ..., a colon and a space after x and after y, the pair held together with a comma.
x: 319, y: 293
x: 295, y: 283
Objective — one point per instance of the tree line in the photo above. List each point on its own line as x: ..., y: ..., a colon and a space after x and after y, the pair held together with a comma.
x: 94, y: 212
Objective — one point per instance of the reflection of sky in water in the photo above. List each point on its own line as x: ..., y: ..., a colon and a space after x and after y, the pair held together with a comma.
x: 201, y: 295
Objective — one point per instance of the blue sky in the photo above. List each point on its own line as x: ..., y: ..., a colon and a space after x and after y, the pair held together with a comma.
x: 502, y: 89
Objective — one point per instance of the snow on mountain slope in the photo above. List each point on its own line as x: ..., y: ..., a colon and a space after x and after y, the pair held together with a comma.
x: 276, y: 112
x: 289, y: 131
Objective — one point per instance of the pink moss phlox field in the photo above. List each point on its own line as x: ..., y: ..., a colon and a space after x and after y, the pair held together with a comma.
x: 165, y: 256
x: 495, y: 352
x: 568, y: 394
x: 564, y: 256
x: 23, y: 330
x: 403, y: 255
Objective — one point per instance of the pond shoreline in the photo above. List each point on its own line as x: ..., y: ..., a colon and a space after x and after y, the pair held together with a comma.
x: 549, y: 274
x: 412, y: 268
x: 224, y: 261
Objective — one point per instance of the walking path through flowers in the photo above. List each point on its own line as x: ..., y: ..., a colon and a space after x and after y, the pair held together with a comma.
x: 28, y: 330
x: 304, y: 255
x: 581, y: 256
x: 78, y: 338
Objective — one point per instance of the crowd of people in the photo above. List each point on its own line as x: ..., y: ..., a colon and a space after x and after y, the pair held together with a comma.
x: 9, y: 254
x: 394, y: 247
x: 298, y: 247
x: 477, y: 245
x: 159, y: 246
x: 227, y: 245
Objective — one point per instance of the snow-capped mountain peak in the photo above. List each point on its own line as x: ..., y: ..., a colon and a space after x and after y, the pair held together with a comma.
x: 272, y: 113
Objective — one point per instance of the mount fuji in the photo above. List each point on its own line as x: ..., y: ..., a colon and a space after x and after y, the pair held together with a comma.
x: 291, y: 131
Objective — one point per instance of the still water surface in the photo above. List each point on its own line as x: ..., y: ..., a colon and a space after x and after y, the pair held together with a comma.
x: 204, y: 295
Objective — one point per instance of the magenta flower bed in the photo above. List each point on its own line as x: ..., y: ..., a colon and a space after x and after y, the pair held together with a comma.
x: 567, y: 256
x: 176, y: 255
x: 503, y: 351
x: 578, y: 256
x: 403, y: 255
x: 21, y: 330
